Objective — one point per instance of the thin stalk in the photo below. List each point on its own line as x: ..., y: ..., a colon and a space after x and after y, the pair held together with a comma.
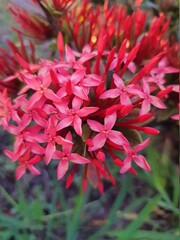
x: 8, y: 197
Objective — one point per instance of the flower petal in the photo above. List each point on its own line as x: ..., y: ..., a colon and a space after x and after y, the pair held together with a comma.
x: 62, y: 141
x: 30, y: 80
x: 142, y: 145
x: 34, y: 160
x: 112, y: 93
x: 91, y: 80
x: 69, y: 55
x: 62, y: 169
x: 145, y: 107
x: 98, y: 141
x: 95, y: 126
x: 157, y: 102
x: 118, y: 81
x: 76, y: 103
x: 76, y: 158
x: 33, y: 170
x: 49, y: 152
x: 124, y: 99
x: 86, y: 57
x: 78, y: 91
x: 77, y: 76
x: 85, y: 111
x: 49, y: 94
x: 20, y: 171
x: 67, y: 147
x: 110, y: 120
x: 142, y: 163
x: 77, y: 122
x: 126, y: 165
x: 134, y: 90
x: 146, y: 88
x: 34, y: 99
x: 117, y: 137
x: 64, y: 123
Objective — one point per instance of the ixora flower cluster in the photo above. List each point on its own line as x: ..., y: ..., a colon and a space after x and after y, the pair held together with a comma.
x: 84, y: 111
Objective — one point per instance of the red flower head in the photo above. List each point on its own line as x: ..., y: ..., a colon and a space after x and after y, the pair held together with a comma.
x: 78, y: 110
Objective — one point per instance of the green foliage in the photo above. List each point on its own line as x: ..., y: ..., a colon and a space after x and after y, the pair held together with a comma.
x: 142, y: 235
x: 164, y: 177
x: 27, y: 218
x: 32, y: 214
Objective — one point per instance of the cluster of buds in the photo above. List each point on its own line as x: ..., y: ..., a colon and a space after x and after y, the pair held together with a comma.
x: 9, y: 65
x: 86, y: 110
x: 84, y: 23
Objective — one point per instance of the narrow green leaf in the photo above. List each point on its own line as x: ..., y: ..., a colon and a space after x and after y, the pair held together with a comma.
x: 142, y: 217
x: 74, y: 223
x: 12, y: 222
x: 8, y: 197
x: 112, y: 215
x: 144, y: 235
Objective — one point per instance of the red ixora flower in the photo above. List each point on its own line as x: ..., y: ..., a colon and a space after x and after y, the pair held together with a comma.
x: 148, y: 100
x: 65, y: 156
x: 132, y: 155
x: 27, y: 161
x: 77, y: 109
x: 73, y: 116
x: 106, y: 132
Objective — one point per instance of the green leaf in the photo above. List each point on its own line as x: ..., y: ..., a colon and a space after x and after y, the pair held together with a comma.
x: 36, y: 210
x: 112, y: 214
x: 8, y: 197
x: 12, y: 222
x: 85, y: 132
x: 132, y: 135
x: 145, y: 235
x: 142, y: 217
x: 5, y: 235
x: 74, y: 222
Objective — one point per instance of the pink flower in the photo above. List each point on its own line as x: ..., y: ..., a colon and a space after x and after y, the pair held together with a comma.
x: 7, y: 109
x: 149, y: 99
x: 39, y: 84
x: 27, y: 161
x: 74, y: 84
x: 106, y: 132
x: 73, y: 116
x: 70, y: 57
x: 65, y: 156
x: 132, y: 155
x: 158, y: 74
x: 121, y: 91
x: 51, y: 137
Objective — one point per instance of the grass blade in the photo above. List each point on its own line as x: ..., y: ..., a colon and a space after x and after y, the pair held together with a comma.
x: 142, y: 235
x: 142, y: 217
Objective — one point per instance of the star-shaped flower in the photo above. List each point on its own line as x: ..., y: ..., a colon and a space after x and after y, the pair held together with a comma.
x: 65, y: 156
x: 106, y: 132
x: 73, y: 116
x: 132, y: 154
